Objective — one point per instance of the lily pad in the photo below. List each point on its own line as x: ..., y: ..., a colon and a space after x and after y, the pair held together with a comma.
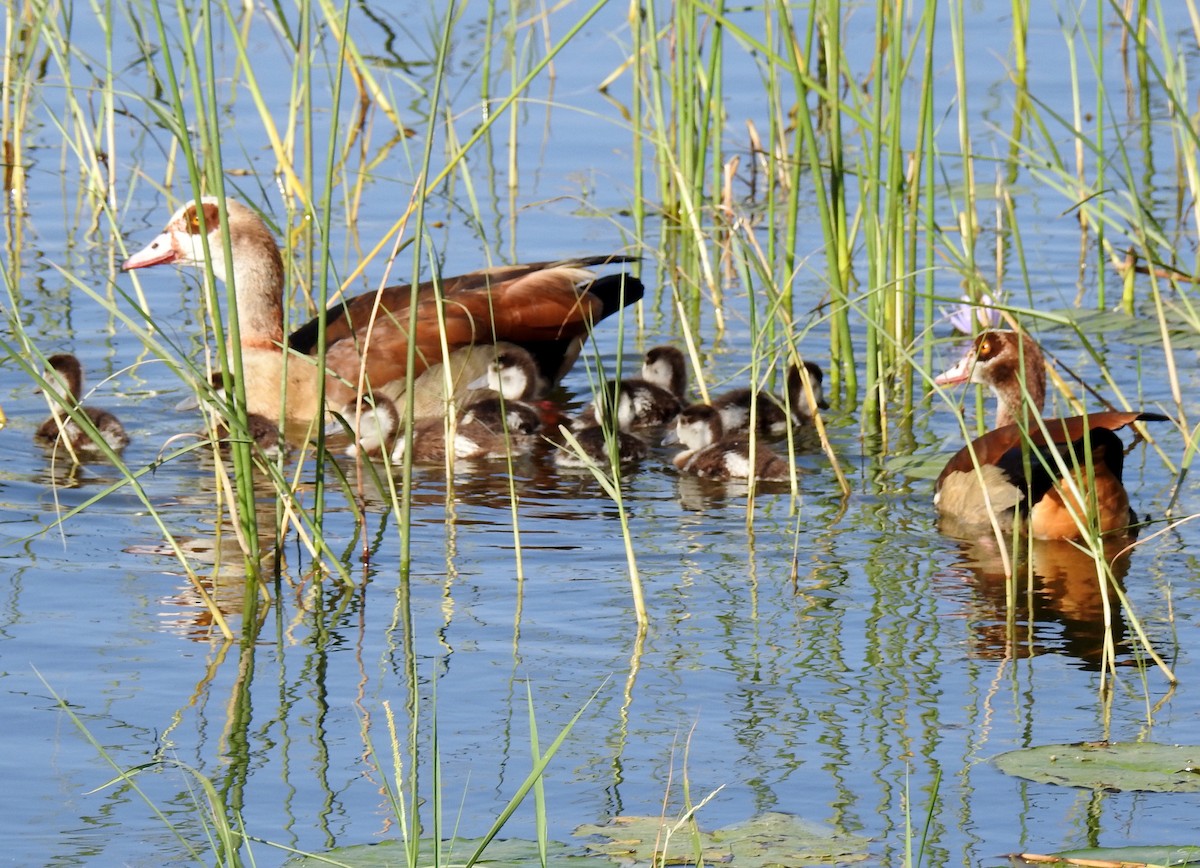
x: 1153, y: 768
x: 926, y: 465
x: 771, y: 840
x: 1125, y: 857
x: 505, y: 853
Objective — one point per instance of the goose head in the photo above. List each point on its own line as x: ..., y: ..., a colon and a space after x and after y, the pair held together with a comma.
x: 513, y: 374
x: 66, y: 369
x: 698, y: 426
x: 374, y: 426
x: 798, y: 396
x: 666, y: 368
x: 182, y: 240
x: 257, y: 265
x: 1012, y: 365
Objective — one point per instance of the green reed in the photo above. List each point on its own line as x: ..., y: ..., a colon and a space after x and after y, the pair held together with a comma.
x: 834, y: 145
x: 875, y: 179
x: 297, y: 163
x: 901, y: 221
x: 229, y: 842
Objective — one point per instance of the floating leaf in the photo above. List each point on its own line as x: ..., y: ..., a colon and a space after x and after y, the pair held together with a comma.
x: 772, y: 840
x: 505, y: 853
x: 926, y: 465
x: 1133, y: 330
x: 1120, y: 857
x: 1155, y: 768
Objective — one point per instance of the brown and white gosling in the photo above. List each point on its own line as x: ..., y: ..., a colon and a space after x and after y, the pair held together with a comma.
x: 596, y: 439
x: 510, y: 384
x: 60, y: 427
x: 379, y: 428
x: 653, y: 399
x: 774, y: 416
x: 496, y: 402
x: 710, y: 454
x: 373, y: 428
x: 263, y: 432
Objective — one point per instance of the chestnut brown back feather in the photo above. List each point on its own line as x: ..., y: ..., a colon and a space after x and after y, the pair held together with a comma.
x: 996, y: 447
x: 481, y: 291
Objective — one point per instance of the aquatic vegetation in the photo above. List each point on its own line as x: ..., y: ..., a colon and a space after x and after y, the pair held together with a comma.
x: 800, y: 183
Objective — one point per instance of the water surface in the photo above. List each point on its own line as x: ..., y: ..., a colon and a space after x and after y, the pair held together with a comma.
x: 822, y: 660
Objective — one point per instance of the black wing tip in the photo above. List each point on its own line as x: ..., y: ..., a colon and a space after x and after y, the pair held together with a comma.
x: 616, y: 291
x: 304, y: 339
x: 591, y: 261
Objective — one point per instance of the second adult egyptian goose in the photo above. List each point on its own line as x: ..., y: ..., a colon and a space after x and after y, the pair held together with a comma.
x: 546, y: 307
x: 1019, y: 466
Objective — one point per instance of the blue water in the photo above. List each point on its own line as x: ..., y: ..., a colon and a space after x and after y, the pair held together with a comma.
x: 819, y: 663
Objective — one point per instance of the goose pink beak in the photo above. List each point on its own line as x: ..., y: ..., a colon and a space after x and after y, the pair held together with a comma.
x: 157, y: 252
x: 960, y: 373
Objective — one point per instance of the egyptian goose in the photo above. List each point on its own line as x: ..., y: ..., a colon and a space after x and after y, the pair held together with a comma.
x: 507, y: 389
x: 473, y: 441
x: 773, y: 417
x: 61, y: 428
x: 653, y: 399
x: 379, y: 429
x: 262, y: 431
x: 373, y: 428
x: 595, y: 441
x: 493, y: 401
x: 545, y: 307
x: 710, y: 454
x: 600, y: 442
x: 1018, y: 463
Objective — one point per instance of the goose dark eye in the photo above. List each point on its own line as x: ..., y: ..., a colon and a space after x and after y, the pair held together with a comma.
x: 193, y: 221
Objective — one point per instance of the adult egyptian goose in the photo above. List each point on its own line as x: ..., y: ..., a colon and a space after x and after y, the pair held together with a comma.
x: 545, y: 307
x: 653, y: 399
x: 710, y: 454
x: 1018, y: 467
x: 773, y: 416
x: 61, y: 428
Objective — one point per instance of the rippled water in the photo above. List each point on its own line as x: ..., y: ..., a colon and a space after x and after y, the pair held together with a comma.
x: 822, y: 660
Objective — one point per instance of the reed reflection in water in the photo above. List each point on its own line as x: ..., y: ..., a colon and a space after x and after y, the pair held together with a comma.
x: 1056, y: 600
